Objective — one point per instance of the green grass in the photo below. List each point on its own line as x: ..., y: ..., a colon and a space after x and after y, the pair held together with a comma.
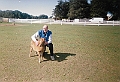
x: 83, y: 54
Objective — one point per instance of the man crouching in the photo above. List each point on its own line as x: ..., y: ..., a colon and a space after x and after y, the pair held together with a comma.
x: 47, y: 35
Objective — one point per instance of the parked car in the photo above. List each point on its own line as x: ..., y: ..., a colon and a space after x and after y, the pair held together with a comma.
x: 96, y: 20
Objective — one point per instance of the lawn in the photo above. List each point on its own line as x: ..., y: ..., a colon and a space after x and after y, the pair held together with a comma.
x: 83, y: 54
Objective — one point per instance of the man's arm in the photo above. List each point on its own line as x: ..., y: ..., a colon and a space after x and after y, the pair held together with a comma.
x: 50, y: 39
x: 35, y: 36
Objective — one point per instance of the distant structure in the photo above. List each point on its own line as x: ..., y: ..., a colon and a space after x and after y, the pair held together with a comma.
x: 4, y: 19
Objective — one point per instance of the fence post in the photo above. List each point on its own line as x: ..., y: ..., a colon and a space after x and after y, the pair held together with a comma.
x: 85, y: 23
x: 40, y: 21
x: 72, y: 22
x: 31, y: 21
x: 98, y: 23
x: 61, y: 22
x: 119, y: 23
x: 50, y: 22
x: 113, y: 22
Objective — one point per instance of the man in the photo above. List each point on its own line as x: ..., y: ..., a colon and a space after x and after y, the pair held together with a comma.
x: 47, y: 34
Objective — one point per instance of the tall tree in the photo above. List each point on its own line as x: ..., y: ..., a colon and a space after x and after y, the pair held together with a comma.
x: 99, y: 8
x: 61, y: 10
x: 79, y: 9
x: 113, y: 6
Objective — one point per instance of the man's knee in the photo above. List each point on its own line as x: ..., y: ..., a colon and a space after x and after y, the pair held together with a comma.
x: 49, y: 45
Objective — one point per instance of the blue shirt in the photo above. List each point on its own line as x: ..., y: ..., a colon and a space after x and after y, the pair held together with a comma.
x: 46, y: 35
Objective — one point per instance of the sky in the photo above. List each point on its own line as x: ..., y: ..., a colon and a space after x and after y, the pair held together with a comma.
x: 31, y: 7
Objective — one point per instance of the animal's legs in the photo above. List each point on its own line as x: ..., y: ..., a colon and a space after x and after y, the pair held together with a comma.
x: 36, y: 53
x: 42, y: 56
x: 39, y: 57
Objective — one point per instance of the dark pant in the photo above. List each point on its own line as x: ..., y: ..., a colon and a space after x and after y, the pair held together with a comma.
x: 50, y: 45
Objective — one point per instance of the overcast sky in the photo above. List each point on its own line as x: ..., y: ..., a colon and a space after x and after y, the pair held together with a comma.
x: 32, y: 7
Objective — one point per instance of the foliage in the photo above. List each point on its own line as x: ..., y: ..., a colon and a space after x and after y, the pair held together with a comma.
x: 81, y: 9
x: 61, y: 10
x: 20, y: 15
x: 72, y: 9
x: 78, y: 9
x: 43, y: 17
x: 99, y: 8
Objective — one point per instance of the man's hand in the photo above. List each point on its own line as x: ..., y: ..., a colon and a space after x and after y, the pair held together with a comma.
x: 46, y: 43
x: 36, y: 42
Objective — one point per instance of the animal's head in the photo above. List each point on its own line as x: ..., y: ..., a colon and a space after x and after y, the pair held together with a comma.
x: 41, y: 42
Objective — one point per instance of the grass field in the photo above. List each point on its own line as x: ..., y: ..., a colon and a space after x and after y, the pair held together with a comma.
x: 83, y: 54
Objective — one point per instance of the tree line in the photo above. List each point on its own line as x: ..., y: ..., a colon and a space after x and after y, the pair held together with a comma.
x: 74, y: 9
x: 19, y: 15
x: 80, y: 9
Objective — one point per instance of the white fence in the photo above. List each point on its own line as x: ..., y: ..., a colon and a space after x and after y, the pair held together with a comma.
x: 52, y: 21
x: 31, y: 20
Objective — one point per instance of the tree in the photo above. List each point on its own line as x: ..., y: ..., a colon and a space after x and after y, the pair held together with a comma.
x: 61, y: 10
x: 113, y: 6
x: 17, y: 14
x: 78, y: 9
x: 99, y: 8
x: 43, y: 17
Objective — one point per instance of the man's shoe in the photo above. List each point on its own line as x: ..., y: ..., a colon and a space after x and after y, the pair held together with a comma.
x: 52, y: 58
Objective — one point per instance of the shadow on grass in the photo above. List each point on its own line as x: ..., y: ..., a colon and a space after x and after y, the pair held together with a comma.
x: 62, y: 56
x: 58, y: 56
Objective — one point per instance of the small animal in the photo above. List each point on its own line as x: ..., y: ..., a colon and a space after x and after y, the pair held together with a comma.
x: 39, y: 49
